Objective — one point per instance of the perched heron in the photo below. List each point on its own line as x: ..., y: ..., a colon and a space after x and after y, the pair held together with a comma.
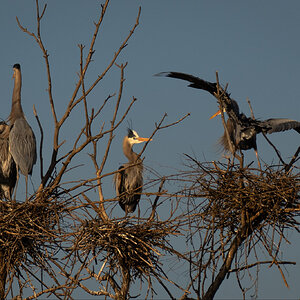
x: 22, y: 143
x: 129, y: 180
x: 243, y: 140
x: 8, y: 171
x: 241, y: 129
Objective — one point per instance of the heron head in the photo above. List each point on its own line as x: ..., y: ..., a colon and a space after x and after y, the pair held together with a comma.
x: 233, y: 106
x: 134, y: 138
x: 217, y: 113
x: 15, y: 68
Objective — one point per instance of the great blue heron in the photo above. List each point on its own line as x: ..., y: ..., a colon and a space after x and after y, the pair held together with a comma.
x: 8, y: 171
x: 129, y: 180
x: 22, y: 144
x: 244, y: 140
x: 241, y: 129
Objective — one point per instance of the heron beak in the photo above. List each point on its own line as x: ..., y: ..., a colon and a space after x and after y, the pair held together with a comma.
x: 216, y: 114
x: 143, y: 139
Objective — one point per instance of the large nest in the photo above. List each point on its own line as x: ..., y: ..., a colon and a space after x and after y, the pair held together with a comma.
x: 132, y: 245
x: 26, y: 229
x: 231, y: 191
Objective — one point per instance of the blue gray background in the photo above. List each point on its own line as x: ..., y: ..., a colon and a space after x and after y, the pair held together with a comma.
x: 254, y: 45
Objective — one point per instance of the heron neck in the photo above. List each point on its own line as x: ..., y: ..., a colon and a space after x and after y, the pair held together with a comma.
x: 128, y: 152
x: 16, y: 108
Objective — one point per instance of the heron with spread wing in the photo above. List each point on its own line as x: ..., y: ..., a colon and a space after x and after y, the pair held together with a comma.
x: 241, y: 129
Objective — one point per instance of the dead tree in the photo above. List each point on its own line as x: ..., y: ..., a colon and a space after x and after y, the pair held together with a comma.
x: 234, y: 212
x: 52, y: 245
x: 68, y: 237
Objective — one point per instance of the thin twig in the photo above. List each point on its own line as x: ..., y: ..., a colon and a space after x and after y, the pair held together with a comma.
x: 41, y: 142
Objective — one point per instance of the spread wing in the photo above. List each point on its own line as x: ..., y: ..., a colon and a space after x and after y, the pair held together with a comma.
x: 231, y: 105
x: 196, y: 82
x: 276, y: 125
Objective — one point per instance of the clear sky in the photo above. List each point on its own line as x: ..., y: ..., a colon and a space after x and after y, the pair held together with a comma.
x: 254, y: 45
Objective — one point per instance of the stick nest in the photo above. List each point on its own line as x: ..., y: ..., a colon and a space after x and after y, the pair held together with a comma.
x: 131, y: 245
x: 230, y: 191
x: 26, y: 229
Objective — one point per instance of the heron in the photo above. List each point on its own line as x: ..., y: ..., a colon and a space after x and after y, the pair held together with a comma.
x: 8, y: 171
x: 242, y: 130
x: 22, y: 142
x: 244, y: 140
x: 129, y: 179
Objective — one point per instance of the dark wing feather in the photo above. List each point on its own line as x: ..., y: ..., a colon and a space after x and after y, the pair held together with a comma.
x: 276, y: 125
x: 231, y: 106
x: 128, y: 191
x: 196, y: 82
x: 120, y: 186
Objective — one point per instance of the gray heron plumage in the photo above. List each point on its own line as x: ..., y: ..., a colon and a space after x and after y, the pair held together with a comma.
x: 8, y: 171
x: 129, y: 179
x: 22, y: 142
x: 242, y: 130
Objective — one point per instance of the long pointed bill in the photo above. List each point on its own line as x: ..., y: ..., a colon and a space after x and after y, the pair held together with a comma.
x: 216, y: 114
x: 143, y: 139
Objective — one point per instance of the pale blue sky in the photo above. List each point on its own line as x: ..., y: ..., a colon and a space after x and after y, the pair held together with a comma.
x: 254, y: 45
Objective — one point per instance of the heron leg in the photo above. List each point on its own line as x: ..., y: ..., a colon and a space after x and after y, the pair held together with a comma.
x: 258, y: 161
x: 239, y: 157
x: 26, y: 181
x: 17, y: 181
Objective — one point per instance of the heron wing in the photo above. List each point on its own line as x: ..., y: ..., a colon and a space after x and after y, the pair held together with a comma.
x: 231, y: 105
x: 276, y: 125
x: 128, y: 185
x: 22, y: 146
x: 119, y: 181
x: 3, y: 149
x: 196, y: 82
x: 120, y: 186
x: 8, y: 172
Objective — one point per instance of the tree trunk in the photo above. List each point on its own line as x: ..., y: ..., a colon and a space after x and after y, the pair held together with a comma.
x: 246, y: 230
